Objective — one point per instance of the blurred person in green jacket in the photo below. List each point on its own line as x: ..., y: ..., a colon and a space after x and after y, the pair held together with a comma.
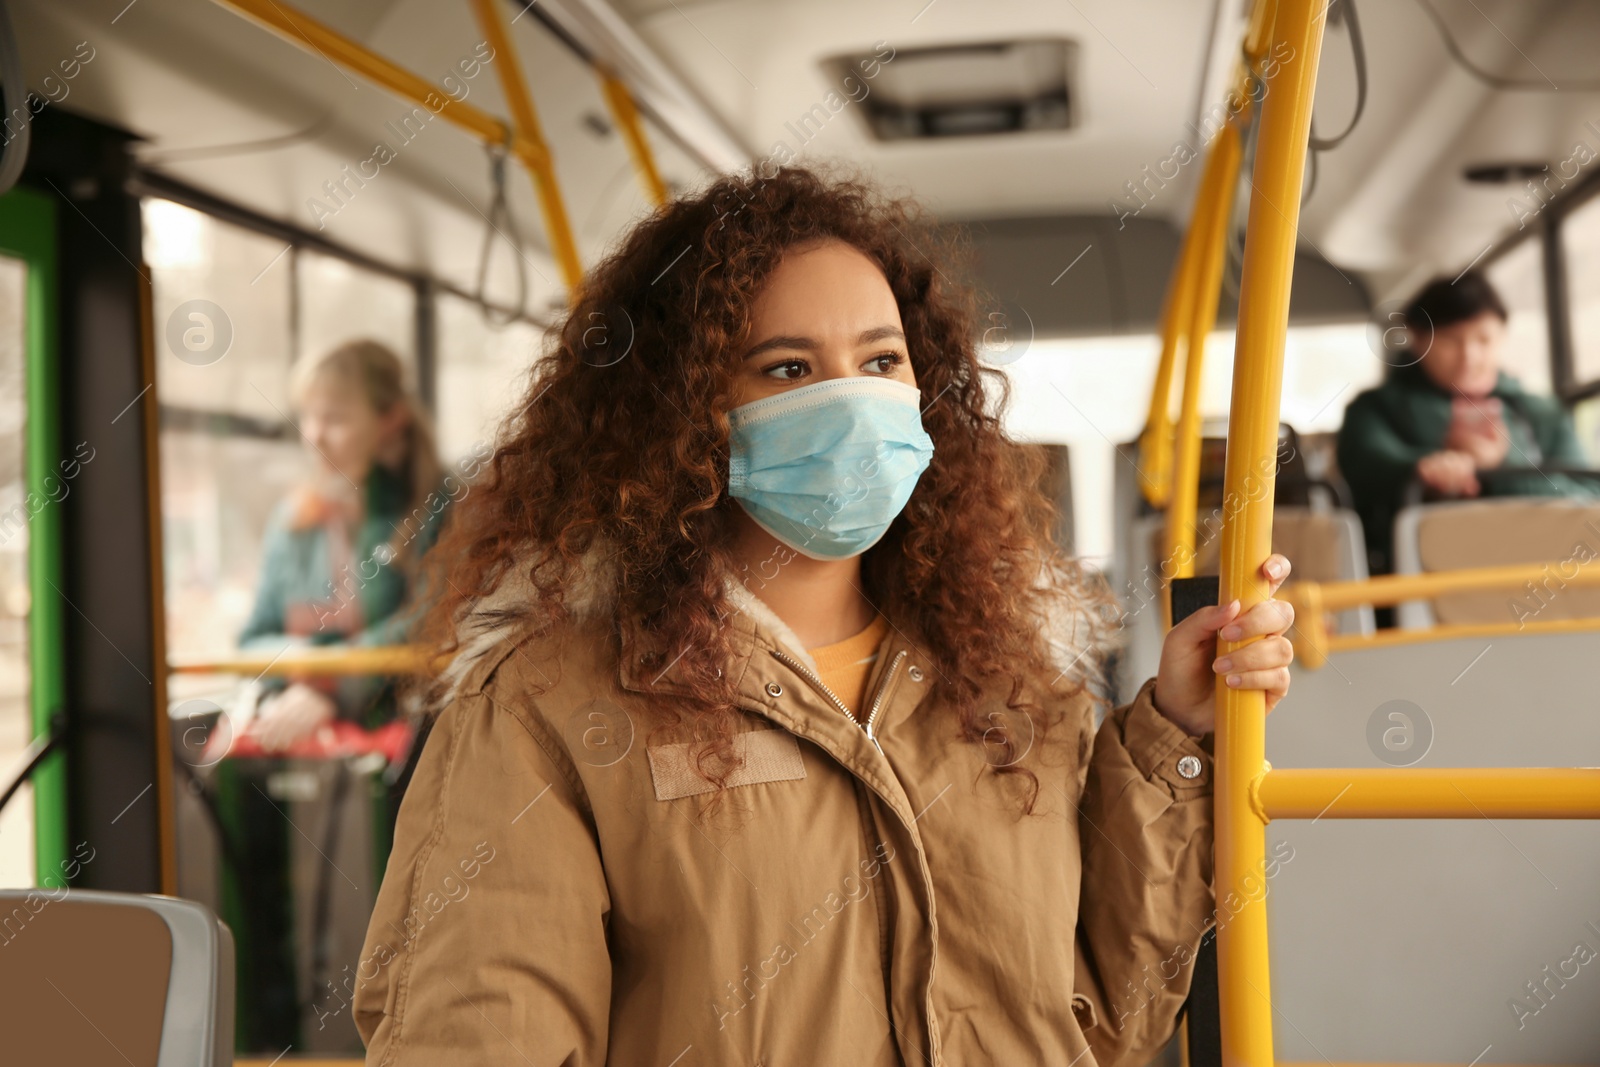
x: 340, y: 556
x: 1449, y: 418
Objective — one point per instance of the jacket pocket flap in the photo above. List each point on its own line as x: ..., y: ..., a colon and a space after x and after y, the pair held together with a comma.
x: 764, y: 756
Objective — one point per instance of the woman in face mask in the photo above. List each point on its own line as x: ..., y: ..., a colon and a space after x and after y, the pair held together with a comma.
x: 772, y: 732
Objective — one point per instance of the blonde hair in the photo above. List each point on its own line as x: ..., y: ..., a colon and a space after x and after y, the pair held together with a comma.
x: 374, y: 368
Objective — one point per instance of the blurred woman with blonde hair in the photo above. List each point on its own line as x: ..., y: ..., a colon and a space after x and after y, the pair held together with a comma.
x: 339, y: 552
x: 338, y: 564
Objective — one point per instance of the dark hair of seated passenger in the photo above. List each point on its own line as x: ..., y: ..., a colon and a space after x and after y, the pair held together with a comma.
x: 1445, y: 302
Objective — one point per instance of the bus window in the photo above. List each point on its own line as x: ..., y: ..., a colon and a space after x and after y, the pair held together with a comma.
x: 222, y: 310
x: 1092, y: 393
x: 1518, y: 276
x: 482, y: 368
x: 221, y: 299
x: 16, y: 822
x: 1580, y: 245
x: 1324, y: 367
x: 339, y: 301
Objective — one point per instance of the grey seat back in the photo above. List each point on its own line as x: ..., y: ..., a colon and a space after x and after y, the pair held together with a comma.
x: 1562, y: 534
x: 114, y: 978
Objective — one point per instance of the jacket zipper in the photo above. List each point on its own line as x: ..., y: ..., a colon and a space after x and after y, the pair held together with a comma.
x: 876, y: 707
x: 869, y: 726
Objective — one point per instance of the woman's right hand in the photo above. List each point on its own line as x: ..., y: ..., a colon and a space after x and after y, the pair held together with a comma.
x: 1449, y: 472
x: 291, y: 716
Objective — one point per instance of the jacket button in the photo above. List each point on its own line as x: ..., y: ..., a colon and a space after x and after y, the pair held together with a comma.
x: 1189, y: 767
x: 774, y: 689
x: 915, y: 672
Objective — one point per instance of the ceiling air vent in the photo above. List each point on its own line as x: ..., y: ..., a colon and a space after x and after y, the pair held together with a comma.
x: 962, y: 90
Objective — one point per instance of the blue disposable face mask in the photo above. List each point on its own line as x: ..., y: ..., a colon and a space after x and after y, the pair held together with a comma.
x: 826, y: 468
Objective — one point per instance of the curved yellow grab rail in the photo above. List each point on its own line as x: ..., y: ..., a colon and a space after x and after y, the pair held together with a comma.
x: 1258, y: 31
x: 1213, y: 211
x: 1155, y: 441
x: 1189, y: 309
x: 316, y: 662
x: 314, y: 36
x: 626, y: 113
x: 1431, y: 793
x: 539, y: 164
x: 1244, y: 983
x: 525, y: 143
x: 311, y: 35
x: 1187, y: 302
x: 1314, y: 602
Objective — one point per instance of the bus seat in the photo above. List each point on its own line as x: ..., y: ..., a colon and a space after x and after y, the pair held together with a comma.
x: 1322, y: 544
x: 151, y: 975
x: 1565, y: 534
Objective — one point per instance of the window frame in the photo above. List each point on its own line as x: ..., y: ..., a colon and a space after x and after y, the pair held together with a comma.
x: 425, y: 287
x: 29, y: 235
x: 1553, y: 269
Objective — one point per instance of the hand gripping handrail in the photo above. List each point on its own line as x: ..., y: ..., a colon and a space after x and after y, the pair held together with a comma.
x: 1244, y: 984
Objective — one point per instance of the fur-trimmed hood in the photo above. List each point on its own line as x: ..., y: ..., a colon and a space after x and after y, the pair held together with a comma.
x: 1077, y: 641
x: 487, y: 623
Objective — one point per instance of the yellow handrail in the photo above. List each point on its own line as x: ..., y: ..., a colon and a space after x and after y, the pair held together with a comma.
x: 627, y: 116
x: 1258, y: 32
x: 1431, y: 793
x: 1244, y: 982
x: 320, y: 39
x: 1187, y: 304
x: 1213, y: 210
x: 1447, y: 632
x: 1155, y: 441
x: 1313, y: 601
x: 316, y: 662
x: 305, y: 32
x: 539, y: 164
x: 1189, y: 309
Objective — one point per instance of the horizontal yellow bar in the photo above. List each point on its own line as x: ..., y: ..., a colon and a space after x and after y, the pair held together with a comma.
x: 1391, y: 638
x: 314, y: 662
x: 1431, y: 793
x: 1395, y: 588
x: 316, y: 37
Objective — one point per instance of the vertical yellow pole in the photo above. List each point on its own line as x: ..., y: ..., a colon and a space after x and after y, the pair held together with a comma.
x: 533, y: 152
x: 1213, y: 209
x: 1244, y: 984
x: 167, y: 824
x: 627, y: 116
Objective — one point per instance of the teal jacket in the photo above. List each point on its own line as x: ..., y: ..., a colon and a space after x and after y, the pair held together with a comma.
x: 1388, y: 429
x: 305, y: 596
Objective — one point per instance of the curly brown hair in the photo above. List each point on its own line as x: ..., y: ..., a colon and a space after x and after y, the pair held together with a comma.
x: 630, y: 453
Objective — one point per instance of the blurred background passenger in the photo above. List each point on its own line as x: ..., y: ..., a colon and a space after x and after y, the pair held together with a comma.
x: 340, y: 551
x: 1448, y: 419
x: 338, y: 561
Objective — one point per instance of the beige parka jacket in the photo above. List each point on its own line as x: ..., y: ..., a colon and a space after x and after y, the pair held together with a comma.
x: 558, y: 895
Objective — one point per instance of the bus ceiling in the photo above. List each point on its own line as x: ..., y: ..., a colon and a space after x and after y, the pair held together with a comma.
x: 216, y: 105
